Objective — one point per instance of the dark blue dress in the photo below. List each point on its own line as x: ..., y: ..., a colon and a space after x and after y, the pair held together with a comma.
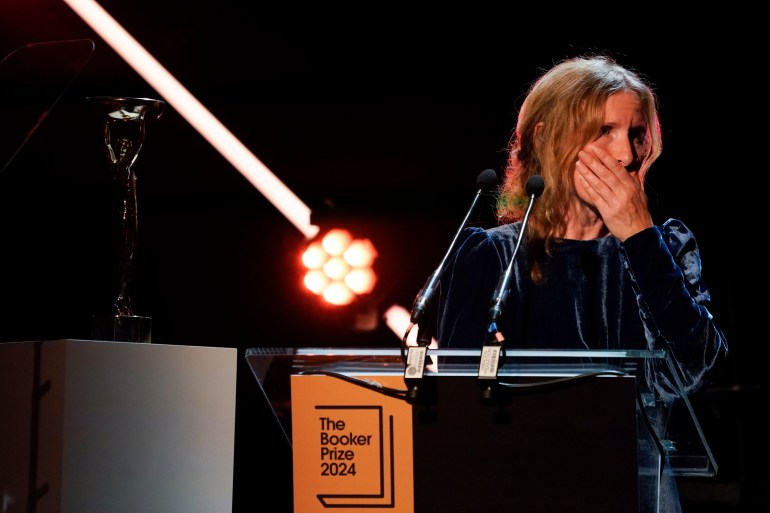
x: 645, y: 293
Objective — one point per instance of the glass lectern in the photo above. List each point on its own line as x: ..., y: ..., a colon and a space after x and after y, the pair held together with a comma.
x: 561, y: 430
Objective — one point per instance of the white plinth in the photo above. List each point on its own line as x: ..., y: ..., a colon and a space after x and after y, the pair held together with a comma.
x: 95, y: 427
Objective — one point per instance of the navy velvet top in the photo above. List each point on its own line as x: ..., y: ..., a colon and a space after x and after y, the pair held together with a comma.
x: 644, y: 293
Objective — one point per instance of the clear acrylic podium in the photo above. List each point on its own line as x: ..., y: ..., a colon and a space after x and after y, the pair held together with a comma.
x: 562, y: 431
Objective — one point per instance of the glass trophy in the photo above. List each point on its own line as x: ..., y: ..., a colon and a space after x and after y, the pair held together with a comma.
x: 124, y: 122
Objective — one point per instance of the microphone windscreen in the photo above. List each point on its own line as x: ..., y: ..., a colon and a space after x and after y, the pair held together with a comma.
x: 535, y: 186
x: 486, y: 180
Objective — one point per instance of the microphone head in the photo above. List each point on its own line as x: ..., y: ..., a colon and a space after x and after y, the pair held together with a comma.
x: 486, y: 180
x: 535, y: 186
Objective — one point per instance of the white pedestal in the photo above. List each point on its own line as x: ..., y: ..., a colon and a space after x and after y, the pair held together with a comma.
x: 94, y: 427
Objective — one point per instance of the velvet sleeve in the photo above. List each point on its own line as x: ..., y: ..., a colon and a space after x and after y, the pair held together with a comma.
x: 665, y: 268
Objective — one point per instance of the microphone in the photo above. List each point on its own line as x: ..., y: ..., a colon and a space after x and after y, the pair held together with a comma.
x: 490, y: 355
x: 486, y: 180
x: 534, y: 188
x: 415, y: 357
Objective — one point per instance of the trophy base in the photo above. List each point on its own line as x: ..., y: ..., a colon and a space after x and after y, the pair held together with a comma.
x: 122, y: 328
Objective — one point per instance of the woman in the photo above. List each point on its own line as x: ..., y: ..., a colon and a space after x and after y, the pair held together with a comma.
x: 592, y: 271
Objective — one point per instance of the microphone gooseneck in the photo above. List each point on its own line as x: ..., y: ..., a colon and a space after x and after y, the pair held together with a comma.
x: 534, y: 188
x: 492, y: 354
x: 485, y: 182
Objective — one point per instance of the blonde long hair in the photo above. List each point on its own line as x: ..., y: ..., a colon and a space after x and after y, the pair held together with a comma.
x: 567, y: 102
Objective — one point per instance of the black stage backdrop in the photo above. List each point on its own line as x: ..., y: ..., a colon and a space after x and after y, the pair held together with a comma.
x: 380, y: 120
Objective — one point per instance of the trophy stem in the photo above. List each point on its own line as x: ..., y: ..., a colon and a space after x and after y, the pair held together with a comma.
x: 126, y: 222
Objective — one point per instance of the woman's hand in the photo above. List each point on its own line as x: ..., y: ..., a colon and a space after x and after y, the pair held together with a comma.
x: 618, y: 194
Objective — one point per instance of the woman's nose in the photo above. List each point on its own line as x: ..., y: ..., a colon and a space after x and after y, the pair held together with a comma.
x: 623, y: 152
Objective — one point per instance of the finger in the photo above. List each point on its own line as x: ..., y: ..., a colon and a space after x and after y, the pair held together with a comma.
x: 593, y: 169
x: 617, y: 167
x: 611, y: 171
x: 595, y: 186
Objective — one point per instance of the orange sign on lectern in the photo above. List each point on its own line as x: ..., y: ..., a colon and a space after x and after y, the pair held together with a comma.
x: 352, y: 446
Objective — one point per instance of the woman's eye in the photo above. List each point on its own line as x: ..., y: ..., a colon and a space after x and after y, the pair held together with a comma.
x: 637, y: 135
x: 605, y: 130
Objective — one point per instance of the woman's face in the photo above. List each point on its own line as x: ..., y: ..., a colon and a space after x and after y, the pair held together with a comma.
x: 623, y: 135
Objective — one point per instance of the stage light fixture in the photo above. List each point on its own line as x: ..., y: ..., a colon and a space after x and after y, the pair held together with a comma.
x: 339, y: 267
